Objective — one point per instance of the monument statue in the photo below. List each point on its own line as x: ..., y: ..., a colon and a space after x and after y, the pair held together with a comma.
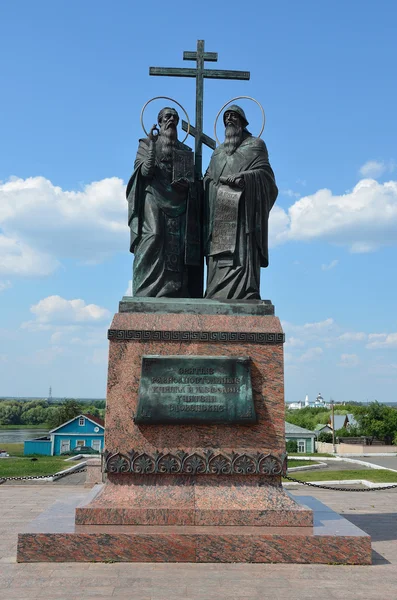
x: 240, y: 190
x: 163, y: 212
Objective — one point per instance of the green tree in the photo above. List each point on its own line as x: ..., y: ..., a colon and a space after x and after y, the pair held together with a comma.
x: 378, y: 421
x: 10, y: 413
x: 93, y: 410
x: 65, y: 412
x: 292, y: 446
x: 34, y: 416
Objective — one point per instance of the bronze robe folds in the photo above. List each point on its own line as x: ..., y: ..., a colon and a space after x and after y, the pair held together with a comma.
x: 165, y: 228
x: 234, y: 271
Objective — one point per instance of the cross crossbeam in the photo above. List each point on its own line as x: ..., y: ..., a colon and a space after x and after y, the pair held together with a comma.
x: 207, y: 140
x: 206, y: 73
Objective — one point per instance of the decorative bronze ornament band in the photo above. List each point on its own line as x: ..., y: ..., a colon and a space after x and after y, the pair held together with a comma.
x: 205, y: 463
x: 141, y: 335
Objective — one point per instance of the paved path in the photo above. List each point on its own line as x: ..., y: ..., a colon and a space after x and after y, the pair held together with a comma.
x: 342, y: 466
x: 72, y: 479
x: 390, y: 462
x: 375, y: 512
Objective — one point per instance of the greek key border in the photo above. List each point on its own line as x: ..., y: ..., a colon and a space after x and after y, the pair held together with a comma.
x: 196, y: 463
x: 143, y: 335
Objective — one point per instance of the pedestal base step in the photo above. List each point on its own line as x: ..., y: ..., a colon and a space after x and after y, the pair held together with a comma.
x: 162, y: 501
x: 53, y: 537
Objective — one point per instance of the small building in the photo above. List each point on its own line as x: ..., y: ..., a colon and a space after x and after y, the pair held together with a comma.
x: 342, y: 421
x: 304, y: 437
x: 322, y: 428
x: 83, y: 430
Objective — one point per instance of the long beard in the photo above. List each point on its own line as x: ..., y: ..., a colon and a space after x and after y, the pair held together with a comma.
x: 233, y: 138
x: 166, y: 143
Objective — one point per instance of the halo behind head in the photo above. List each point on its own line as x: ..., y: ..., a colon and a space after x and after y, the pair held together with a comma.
x: 234, y: 107
x: 172, y: 100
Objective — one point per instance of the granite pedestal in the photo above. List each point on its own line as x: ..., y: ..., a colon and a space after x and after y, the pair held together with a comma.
x: 194, y: 492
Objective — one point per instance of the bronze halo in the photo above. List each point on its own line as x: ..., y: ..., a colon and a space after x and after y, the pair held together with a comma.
x: 172, y: 100
x: 238, y: 98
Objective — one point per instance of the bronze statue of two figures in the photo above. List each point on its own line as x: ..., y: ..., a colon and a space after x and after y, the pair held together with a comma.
x: 175, y: 219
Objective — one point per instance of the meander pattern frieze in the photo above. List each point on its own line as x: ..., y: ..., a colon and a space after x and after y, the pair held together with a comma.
x: 196, y: 463
x: 142, y: 335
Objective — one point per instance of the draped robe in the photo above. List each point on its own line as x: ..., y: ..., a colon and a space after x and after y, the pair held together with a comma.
x: 164, y: 226
x: 236, y: 274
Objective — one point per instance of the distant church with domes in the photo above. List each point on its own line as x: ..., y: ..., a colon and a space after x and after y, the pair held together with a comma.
x: 319, y: 402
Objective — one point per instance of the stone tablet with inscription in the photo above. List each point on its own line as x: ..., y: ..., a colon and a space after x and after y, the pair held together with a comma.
x: 195, y: 389
x: 224, y: 231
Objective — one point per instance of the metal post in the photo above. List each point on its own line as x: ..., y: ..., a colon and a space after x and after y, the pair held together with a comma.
x: 333, y: 427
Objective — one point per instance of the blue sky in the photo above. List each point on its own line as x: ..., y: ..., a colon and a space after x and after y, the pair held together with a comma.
x: 74, y: 78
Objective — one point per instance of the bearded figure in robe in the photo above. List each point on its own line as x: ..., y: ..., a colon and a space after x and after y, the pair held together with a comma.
x: 240, y: 190
x: 163, y: 214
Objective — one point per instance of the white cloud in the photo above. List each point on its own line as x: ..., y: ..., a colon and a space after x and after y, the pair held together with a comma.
x: 364, y: 218
x: 311, y: 354
x: 382, y: 340
x: 55, y: 309
x: 18, y: 258
x: 349, y: 360
x: 293, y: 342
x: 128, y: 291
x: 278, y: 225
x: 42, y: 223
x: 373, y: 168
x: 353, y: 336
x: 290, y: 193
x: 376, y: 168
x: 319, y: 331
x: 330, y: 266
x: 5, y: 285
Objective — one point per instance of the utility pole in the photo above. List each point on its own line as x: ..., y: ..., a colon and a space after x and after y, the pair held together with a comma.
x: 333, y: 426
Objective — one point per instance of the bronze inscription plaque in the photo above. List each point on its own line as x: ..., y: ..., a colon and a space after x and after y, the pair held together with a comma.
x: 195, y: 389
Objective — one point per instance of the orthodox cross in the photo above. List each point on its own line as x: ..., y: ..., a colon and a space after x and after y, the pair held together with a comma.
x: 200, y: 73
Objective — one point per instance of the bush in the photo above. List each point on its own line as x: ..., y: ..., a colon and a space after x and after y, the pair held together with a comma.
x: 325, y: 436
x: 292, y: 446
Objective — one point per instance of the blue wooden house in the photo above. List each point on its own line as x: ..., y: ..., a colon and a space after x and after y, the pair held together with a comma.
x: 83, y: 430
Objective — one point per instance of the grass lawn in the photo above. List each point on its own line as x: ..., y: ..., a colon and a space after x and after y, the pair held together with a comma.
x: 375, y: 475
x: 314, y: 454
x: 292, y: 462
x: 21, y: 467
x: 12, y: 449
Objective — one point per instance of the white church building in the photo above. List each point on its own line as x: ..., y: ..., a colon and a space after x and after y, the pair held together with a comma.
x: 318, y: 403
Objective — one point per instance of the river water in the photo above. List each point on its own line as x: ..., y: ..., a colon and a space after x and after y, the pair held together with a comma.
x: 9, y: 436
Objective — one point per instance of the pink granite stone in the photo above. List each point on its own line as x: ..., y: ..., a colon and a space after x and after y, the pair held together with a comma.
x: 53, y: 537
x: 181, y: 499
x: 125, y: 357
x: 193, y: 500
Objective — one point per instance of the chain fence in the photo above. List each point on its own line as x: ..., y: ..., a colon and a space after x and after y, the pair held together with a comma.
x: 58, y: 475
x: 308, y: 483
x: 344, y: 489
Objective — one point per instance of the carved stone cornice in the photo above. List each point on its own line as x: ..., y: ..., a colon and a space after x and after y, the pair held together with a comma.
x: 237, y: 337
x: 207, y: 462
